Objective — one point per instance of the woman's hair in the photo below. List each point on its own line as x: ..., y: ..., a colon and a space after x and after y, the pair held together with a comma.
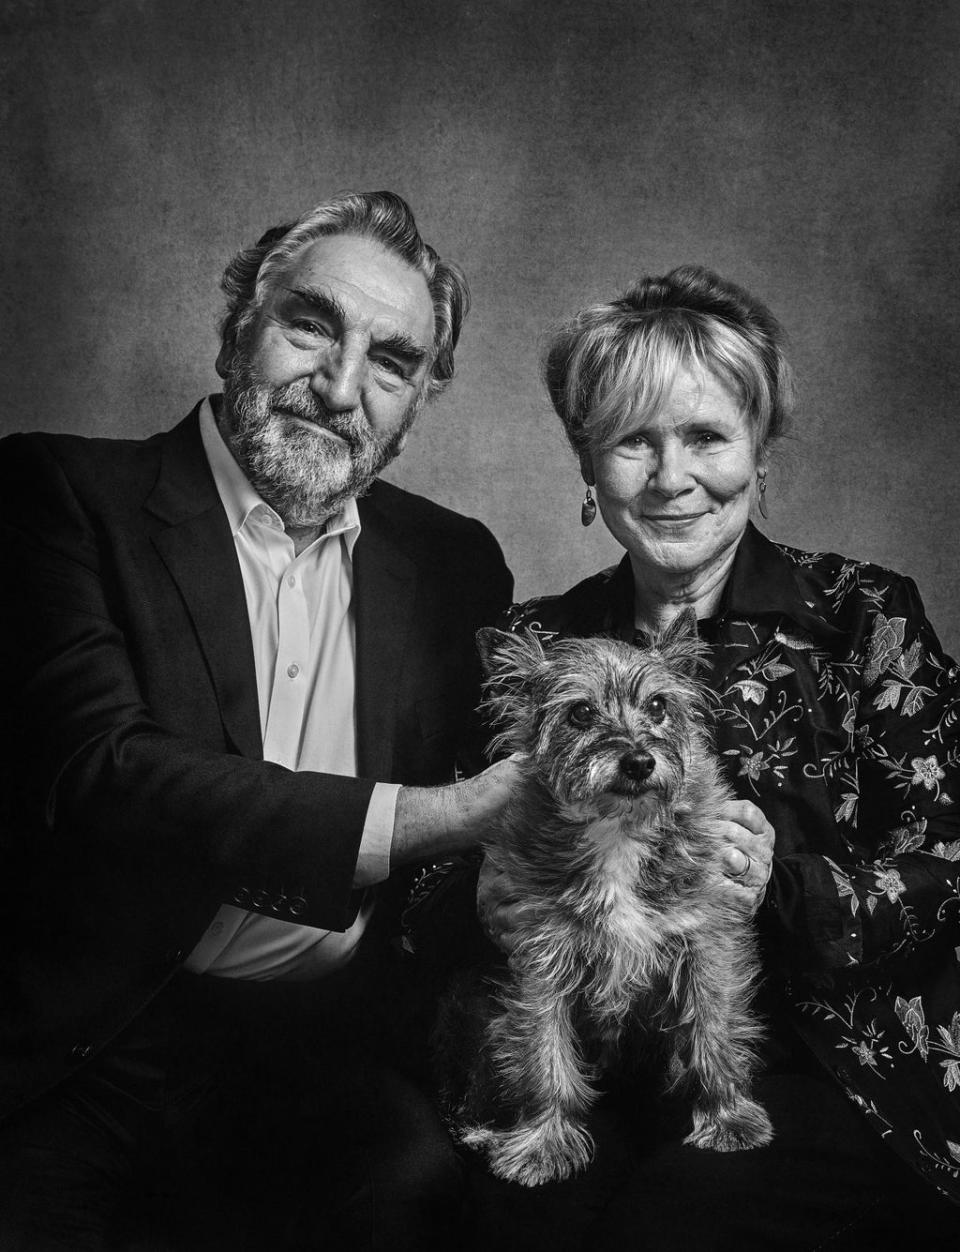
x: 378, y: 215
x: 611, y: 367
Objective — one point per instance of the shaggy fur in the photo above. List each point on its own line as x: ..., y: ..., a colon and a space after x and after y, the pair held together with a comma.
x: 614, y: 842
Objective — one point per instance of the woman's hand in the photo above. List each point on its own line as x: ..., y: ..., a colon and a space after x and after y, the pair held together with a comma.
x: 748, y: 857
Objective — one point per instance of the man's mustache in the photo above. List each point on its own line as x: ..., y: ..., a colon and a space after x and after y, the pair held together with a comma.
x: 349, y: 426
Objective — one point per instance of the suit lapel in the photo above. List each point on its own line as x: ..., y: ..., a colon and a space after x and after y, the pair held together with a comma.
x: 198, y: 550
x: 385, y: 581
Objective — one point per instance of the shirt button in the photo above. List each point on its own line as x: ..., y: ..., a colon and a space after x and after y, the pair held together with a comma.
x: 293, y: 671
x: 291, y: 580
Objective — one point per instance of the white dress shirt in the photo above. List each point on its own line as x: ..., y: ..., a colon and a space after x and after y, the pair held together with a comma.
x: 302, y: 627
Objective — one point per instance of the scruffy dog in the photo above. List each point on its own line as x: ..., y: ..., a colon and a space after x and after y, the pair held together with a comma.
x: 614, y: 843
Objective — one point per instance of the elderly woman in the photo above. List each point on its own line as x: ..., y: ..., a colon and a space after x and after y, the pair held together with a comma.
x: 837, y: 722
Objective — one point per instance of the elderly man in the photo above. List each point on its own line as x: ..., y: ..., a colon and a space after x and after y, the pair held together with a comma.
x: 226, y: 645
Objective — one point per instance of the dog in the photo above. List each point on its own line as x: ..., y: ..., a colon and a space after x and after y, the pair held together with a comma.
x: 613, y: 843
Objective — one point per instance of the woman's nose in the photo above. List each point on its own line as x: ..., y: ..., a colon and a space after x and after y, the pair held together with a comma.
x: 671, y: 472
x: 338, y: 376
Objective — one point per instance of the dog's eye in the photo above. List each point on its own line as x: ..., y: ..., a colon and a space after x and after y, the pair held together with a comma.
x: 657, y: 708
x: 581, y: 715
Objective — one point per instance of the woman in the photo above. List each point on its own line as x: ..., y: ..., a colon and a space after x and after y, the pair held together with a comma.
x: 837, y: 720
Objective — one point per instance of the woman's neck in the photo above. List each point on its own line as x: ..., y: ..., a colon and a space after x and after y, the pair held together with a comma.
x: 661, y: 595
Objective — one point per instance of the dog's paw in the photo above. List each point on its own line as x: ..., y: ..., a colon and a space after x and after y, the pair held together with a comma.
x: 741, y: 1125
x: 533, y: 1154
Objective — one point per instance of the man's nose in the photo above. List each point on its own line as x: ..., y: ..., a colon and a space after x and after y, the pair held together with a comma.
x: 338, y: 376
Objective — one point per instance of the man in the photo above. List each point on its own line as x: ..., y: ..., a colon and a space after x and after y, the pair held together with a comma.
x: 224, y: 643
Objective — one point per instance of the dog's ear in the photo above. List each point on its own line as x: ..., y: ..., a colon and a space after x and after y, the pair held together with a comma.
x: 507, y: 657
x: 680, y: 644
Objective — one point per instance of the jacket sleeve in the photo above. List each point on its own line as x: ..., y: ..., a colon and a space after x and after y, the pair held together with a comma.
x: 90, y: 761
x: 900, y: 891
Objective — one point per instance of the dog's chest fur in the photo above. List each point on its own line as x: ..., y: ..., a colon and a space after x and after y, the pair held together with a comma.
x: 614, y: 909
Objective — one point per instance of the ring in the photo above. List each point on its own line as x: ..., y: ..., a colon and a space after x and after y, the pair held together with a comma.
x: 746, y: 869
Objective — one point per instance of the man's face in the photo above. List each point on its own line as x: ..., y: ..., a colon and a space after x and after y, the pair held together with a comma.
x: 326, y: 382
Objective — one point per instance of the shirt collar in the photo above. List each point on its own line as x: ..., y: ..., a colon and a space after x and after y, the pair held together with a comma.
x: 243, y: 504
x: 764, y: 580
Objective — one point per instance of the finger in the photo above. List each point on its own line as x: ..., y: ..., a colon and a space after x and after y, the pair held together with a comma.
x: 736, y: 862
x: 746, y: 813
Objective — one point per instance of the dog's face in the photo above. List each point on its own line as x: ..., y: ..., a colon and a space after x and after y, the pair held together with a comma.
x: 595, y: 716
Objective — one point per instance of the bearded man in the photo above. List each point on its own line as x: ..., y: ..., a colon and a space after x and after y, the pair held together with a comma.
x: 228, y: 645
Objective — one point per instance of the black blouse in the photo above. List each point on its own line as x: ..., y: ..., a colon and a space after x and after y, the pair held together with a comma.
x: 839, y: 715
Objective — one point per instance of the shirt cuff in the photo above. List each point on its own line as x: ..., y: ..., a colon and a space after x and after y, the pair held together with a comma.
x: 373, y: 859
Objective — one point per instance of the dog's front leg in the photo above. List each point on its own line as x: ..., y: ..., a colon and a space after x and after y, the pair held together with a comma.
x: 541, y: 1076
x: 716, y: 1049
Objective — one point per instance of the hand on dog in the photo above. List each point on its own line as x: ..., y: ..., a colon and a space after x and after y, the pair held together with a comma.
x: 499, y: 910
x: 748, y: 859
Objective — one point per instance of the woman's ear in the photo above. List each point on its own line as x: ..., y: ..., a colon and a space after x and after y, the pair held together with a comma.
x: 586, y: 469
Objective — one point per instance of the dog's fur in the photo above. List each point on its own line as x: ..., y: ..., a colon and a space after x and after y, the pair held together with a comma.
x: 614, y: 843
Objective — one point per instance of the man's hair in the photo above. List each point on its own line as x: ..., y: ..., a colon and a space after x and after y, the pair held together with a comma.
x: 610, y: 368
x: 378, y: 215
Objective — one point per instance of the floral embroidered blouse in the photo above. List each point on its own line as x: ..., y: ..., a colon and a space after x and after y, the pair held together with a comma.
x: 839, y: 715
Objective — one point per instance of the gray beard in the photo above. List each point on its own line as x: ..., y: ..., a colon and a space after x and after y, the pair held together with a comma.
x: 305, y: 477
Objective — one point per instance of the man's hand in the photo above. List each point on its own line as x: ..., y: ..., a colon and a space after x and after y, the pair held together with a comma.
x: 436, y: 822
x: 748, y: 858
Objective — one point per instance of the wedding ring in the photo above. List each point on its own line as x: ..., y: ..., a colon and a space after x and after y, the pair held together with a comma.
x: 746, y: 869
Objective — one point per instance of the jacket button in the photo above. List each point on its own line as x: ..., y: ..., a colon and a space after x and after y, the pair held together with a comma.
x: 81, y: 1051
x: 843, y: 1075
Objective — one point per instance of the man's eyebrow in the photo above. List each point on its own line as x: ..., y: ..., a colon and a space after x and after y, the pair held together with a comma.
x: 320, y: 300
x: 402, y: 346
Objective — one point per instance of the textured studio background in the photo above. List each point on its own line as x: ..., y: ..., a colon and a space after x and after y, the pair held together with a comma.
x: 557, y: 149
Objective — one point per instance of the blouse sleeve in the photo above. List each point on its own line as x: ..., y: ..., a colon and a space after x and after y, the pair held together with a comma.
x: 899, y: 888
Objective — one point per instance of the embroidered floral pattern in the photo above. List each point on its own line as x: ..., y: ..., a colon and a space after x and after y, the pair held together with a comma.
x: 841, y: 719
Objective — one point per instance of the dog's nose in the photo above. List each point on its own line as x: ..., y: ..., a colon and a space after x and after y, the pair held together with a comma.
x: 637, y: 765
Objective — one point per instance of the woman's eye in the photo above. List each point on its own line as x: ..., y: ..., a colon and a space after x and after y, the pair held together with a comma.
x: 705, y: 438
x: 581, y: 715
x: 656, y: 708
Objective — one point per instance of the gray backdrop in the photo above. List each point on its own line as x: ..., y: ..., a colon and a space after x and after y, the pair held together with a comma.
x: 557, y: 149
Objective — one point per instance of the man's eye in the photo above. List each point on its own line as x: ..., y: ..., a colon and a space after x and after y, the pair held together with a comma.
x: 389, y: 366
x: 308, y: 327
x: 581, y: 715
x: 656, y: 708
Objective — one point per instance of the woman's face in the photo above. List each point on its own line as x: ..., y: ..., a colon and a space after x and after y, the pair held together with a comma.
x: 676, y: 492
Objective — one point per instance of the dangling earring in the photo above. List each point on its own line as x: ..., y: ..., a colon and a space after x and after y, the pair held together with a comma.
x: 762, y: 492
x: 588, y: 510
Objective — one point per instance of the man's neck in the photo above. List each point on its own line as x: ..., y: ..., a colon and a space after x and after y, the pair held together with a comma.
x: 303, y: 536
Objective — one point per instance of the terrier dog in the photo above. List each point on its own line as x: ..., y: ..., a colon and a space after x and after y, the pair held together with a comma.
x: 613, y: 843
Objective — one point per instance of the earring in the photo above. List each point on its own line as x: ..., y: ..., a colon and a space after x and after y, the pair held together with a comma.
x: 762, y: 492
x: 588, y: 510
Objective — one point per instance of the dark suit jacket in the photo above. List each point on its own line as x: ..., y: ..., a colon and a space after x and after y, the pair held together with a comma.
x: 136, y: 800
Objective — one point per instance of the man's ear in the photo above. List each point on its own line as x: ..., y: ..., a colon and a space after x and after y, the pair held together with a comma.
x: 225, y: 358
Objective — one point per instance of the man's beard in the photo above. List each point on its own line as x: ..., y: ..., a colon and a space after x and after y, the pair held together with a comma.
x: 304, y: 476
